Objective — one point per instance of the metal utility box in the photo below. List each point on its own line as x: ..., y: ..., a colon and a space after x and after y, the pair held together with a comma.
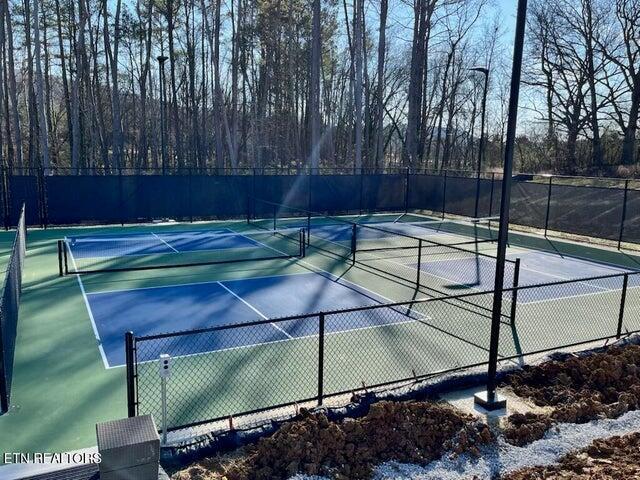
x: 130, y: 449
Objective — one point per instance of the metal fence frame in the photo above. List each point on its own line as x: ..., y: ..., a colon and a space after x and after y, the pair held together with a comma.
x: 10, y: 300
x: 462, y: 193
x: 132, y: 345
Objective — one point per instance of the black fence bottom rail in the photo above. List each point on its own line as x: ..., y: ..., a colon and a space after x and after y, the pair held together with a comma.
x: 232, y: 371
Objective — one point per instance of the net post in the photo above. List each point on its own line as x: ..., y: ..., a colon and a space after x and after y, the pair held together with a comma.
x: 121, y: 195
x: 444, y: 194
x: 475, y: 210
x: 309, y: 189
x: 41, y: 196
x: 546, y: 217
x: 5, y: 196
x: 624, y: 213
x: 406, y: 191
x: 190, y: 194
x: 320, y: 358
x: 64, y: 254
x: 623, y: 300
x: 129, y: 341
x: 60, y: 267
x: 362, y: 190
x: 353, y: 242
x: 253, y: 183
x: 514, y: 292
x: 419, y: 266
x: 493, y: 180
x: 275, y: 216
x: 308, y: 229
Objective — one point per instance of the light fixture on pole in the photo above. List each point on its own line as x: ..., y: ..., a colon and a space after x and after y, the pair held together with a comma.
x: 484, y: 71
x: 489, y: 399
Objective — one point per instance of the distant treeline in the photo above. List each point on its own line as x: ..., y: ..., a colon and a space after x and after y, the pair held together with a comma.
x: 316, y: 83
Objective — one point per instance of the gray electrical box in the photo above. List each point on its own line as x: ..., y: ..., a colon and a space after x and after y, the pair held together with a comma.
x: 130, y: 449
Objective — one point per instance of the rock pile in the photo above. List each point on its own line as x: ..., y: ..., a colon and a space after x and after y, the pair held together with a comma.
x: 615, y: 457
x: 416, y: 432
x: 579, y: 389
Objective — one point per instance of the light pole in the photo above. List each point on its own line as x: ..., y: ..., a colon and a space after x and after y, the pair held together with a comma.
x: 489, y: 400
x: 163, y: 134
x: 484, y: 71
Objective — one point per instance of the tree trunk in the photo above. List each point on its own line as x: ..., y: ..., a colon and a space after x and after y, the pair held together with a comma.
x: 43, y: 139
x: 382, y: 46
x: 415, y: 85
x: 357, y: 86
x: 314, y: 89
x: 629, y: 141
x: 63, y: 66
x: 598, y: 156
x: 112, y: 54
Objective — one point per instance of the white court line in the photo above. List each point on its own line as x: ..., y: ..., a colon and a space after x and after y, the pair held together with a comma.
x: 271, y: 342
x: 453, y: 281
x: 614, y: 268
x: 175, y: 285
x: 166, y: 243
x: 98, y: 238
x: 545, y: 300
x: 313, y: 268
x: 183, y: 252
x: 577, y: 280
x: 86, y: 302
x: 264, y: 317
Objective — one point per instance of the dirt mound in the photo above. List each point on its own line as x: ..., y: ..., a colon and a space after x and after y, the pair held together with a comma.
x: 415, y: 432
x: 580, y: 389
x: 613, y: 458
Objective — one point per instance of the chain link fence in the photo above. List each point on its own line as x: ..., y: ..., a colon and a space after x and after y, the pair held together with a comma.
x: 11, y: 288
x: 601, y: 208
x: 241, y: 370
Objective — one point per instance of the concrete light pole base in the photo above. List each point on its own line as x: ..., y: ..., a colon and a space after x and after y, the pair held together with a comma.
x: 490, y: 404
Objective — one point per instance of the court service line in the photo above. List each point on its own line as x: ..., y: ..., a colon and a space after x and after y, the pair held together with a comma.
x: 264, y: 317
x: 561, y: 277
x: 189, y: 284
x: 272, y: 342
x: 566, y: 297
x: 166, y: 243
x: 86, y: 302
x: 108, y: 237
x: 337, y: 279
x: 453, y: 281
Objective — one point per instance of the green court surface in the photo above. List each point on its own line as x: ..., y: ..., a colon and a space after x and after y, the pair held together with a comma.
x: 61, y: 387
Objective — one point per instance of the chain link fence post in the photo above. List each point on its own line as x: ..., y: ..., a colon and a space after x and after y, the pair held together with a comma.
x: 624, y: 213
x: 623, y: 299
x: 321, y: 319
x: 129, y: 341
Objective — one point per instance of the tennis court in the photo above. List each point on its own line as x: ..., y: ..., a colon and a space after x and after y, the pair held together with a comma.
x: 159, y: 278
x: 156, y: 310
x: 196, y: 305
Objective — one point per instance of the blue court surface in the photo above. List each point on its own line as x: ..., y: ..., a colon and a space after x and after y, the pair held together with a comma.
x: 544, y: 267
x: 149, y: 311
x: 341, y: 233
x: 149, y: 243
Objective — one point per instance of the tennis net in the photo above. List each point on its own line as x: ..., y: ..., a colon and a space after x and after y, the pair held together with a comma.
x: 150, y: 250
x: 413, y: 252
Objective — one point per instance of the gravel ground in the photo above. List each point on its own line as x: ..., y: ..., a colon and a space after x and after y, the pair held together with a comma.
x: 505, y: 458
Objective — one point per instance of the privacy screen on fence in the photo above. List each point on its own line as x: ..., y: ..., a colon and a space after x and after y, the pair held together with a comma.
x: 551, y: 203
x: 9, y: 305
